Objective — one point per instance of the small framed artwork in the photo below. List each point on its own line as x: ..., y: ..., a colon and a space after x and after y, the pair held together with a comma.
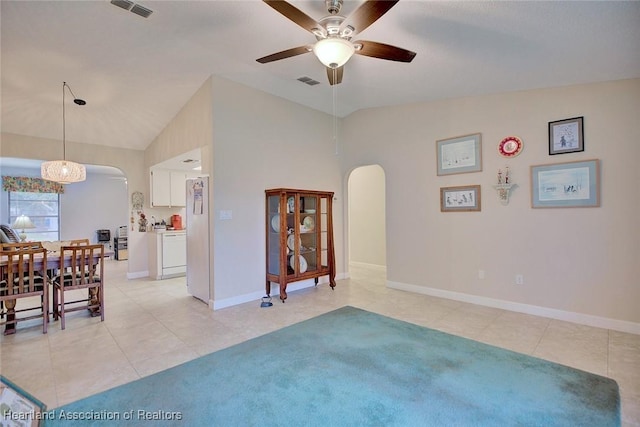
x: 459, y: 155
x: 19, y: 406
x: 566, y: 136
x: 566, y: 185
x: 465, y: 198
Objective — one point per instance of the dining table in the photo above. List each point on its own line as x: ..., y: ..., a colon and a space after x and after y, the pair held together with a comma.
x: 54, y: 264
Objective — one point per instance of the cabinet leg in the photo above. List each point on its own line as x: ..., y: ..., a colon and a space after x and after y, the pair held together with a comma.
x: 283, y: 292
x: 316, y: 281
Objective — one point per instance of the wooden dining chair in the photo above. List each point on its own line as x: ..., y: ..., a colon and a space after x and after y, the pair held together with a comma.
x: 77, y: 242
x: 23, y: 275
x: 17, y: 246
x: 83, y: 269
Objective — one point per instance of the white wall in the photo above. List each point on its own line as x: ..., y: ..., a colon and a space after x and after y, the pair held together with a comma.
x: 577, y: 263
x: 261, y: 142
x: 367, y: 220
x: 100, y: 202
x: 253, y: 142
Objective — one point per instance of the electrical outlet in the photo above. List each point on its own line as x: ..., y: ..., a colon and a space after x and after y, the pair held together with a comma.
x: 519, y: 279
x: 481, y: 274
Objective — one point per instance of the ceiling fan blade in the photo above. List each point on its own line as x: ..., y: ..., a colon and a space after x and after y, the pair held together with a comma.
x: 368, y: 13
x: 335, y: 75
x: 284, y: 54
x: 384, y: 51
x: 294, y: 14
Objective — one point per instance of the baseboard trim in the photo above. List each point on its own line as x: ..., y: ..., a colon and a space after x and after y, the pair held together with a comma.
x: 569, y: 316
x: 375, y: 267
x: 137, y: 274
x: 275, y: 291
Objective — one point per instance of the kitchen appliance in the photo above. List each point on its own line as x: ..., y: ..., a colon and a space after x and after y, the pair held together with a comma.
x: 120, y: 244
x: 167, y: 254
x: 198, y: 238
x: 174, y: 255
x: 176, y: 222
x: 104, y: 237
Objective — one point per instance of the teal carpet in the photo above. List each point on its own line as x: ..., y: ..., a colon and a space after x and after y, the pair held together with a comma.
x: 351, y: 367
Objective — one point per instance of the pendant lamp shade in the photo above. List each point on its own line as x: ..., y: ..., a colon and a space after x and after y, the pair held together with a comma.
x: 64, y: 171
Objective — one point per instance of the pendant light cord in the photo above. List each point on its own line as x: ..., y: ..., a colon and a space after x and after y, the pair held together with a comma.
x: 64, y: 132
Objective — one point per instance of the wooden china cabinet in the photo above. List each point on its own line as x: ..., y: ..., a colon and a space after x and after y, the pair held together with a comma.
x: 299, y: 231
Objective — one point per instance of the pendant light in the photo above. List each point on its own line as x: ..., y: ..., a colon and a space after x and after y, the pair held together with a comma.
x: 64, y: 171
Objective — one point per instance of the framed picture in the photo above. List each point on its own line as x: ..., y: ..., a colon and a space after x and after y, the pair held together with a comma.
x: 465, y: 198
x: 18, y: 405
x: 566, y: 185
x: 459, y: 155
x: 566, y: 136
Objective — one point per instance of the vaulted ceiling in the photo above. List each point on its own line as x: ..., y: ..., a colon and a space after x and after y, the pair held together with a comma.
x: 136, y: 73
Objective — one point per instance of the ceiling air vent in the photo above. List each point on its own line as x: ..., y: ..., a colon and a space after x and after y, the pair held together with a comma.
x: 125, y: 4
x: 142, y: 11
x: 132, y: 7
x: 308, y: 80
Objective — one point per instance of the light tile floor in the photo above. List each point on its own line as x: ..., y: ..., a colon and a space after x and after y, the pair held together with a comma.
x: 154, y: 325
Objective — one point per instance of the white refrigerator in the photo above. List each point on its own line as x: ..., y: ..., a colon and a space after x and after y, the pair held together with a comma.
x: 197, y: 225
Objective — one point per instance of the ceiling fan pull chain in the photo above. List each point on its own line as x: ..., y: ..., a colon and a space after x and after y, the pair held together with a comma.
x: 335, y: 108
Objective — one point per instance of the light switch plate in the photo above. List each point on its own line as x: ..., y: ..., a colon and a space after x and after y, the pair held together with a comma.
x: 226, y: 215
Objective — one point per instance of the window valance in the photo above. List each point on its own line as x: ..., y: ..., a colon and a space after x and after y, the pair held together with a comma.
x: 31, y: 185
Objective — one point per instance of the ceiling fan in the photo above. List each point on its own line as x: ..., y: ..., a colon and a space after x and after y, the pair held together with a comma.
x: 334, y: 33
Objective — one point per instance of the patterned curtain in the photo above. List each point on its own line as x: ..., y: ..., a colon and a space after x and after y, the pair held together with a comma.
x: 31, y: 185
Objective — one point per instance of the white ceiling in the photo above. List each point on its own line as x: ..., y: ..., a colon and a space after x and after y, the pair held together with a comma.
x: 136, y: 73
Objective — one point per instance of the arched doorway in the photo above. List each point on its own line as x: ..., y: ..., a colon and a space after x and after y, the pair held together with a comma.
x: 367, y: 220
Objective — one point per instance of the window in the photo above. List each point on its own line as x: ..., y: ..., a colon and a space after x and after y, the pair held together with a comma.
x: 43, y: 209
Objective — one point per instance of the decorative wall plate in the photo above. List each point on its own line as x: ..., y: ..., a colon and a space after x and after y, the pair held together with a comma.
x: 511, y: 146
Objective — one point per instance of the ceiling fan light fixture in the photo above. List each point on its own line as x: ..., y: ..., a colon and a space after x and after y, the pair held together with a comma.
x: 333, y: 52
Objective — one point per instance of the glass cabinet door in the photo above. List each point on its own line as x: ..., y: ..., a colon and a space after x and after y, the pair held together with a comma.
x: 308, y: 234
x: 273, y: 234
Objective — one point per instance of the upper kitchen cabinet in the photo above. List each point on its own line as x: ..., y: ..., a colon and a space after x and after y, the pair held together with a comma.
x: 168, y: 187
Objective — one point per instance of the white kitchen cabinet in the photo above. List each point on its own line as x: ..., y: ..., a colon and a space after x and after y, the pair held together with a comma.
x: 160, y: 187
x: 167, y: 254
x: 178, y: 189
x: 168, y: 188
